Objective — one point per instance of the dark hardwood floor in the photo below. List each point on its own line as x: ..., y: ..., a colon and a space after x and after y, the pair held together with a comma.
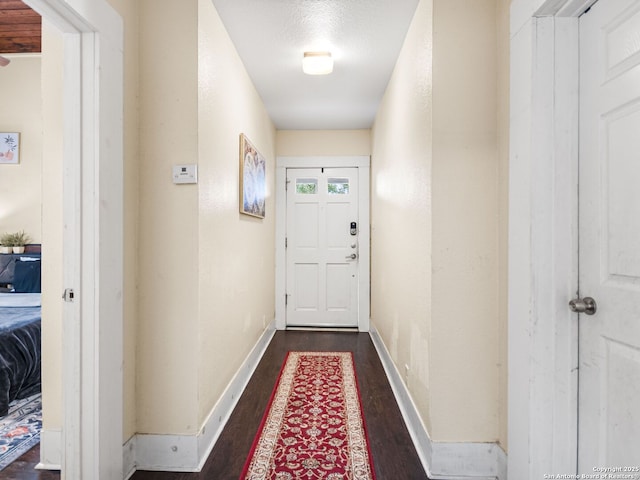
x: 24, y: 468
x: 394, y: 456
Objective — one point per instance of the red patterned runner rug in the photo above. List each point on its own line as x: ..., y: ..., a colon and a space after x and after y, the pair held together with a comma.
x: 313, y: 428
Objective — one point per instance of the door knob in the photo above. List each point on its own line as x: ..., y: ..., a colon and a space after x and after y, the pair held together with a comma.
x: 583, y: 305
x: 353, y: 256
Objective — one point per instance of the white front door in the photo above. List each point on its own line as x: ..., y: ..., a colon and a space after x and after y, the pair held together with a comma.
x: 609, y: 225
x: 322, y: 247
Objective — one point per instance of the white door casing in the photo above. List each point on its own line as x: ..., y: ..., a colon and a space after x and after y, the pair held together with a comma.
x: 609, y: 196
x: 543, y: 237
x: 93, y: 230
x: 362, y: 164
x: 321, y: 249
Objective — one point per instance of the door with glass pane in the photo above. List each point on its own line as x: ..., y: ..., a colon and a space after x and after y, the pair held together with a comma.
x: 322, y: 247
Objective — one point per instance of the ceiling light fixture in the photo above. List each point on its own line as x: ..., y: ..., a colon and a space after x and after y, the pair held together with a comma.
x: 4, y: 61
x: 317, y: 63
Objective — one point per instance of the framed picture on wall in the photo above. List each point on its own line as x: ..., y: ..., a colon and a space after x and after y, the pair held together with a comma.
x: 252, y: 179
x: 9, y: 148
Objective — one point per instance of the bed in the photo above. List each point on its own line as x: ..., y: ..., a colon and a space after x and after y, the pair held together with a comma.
x: 20, y: 329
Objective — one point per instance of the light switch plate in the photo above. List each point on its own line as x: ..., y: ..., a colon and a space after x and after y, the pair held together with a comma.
x: 185, y: 174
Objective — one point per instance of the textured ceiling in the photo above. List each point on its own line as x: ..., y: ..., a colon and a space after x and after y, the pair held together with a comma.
x: 364, y: 37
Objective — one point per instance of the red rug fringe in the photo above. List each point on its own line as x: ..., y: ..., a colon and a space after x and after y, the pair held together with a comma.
x: 313, y: 428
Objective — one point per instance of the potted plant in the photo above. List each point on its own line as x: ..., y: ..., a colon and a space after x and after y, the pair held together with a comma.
x: 6, y: 243
x: 20, y: 239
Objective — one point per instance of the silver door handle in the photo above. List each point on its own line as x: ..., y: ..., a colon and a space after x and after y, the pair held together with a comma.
x: 583, y: 305
x: 353, y: 256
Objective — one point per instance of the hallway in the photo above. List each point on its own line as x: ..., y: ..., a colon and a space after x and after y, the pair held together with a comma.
x: 394, y: 456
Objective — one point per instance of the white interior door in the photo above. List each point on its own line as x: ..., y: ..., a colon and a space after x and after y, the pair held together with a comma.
x: 609, y: 345
x: 322, y: 247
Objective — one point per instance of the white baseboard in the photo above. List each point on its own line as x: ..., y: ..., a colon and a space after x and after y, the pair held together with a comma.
x: 441, y: 460
x: 468, y: 461
x: 167, y: 453
x: 172, y: 453
x: 50, y: 450
x: 129, y: 457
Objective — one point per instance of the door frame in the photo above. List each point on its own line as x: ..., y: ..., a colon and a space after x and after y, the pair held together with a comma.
x: 92, y: 404
x: 363, y: 164
x: 543, y: 237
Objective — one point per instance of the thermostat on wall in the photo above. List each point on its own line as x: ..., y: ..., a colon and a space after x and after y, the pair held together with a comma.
x: 185, y: 174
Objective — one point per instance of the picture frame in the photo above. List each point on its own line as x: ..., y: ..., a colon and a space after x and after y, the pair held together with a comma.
x: 252, y: 179
x: 9, y: 148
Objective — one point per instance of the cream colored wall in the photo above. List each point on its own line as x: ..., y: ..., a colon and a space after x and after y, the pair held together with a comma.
x: 20, y: 185
x: 167, y: 352
x: 323, y: 142
x: 236, y: 252
x: 206, y: 272
x: 52, y: 221
x: 438, y: 178
x: 401, y: 212
x: 466, y: 210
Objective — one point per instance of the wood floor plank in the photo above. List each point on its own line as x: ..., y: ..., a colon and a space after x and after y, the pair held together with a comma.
x: 393, y: 453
